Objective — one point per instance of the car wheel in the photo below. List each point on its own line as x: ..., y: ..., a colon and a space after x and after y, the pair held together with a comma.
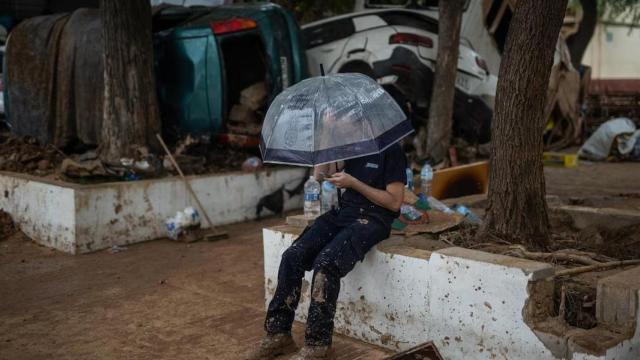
x: 357, y: 67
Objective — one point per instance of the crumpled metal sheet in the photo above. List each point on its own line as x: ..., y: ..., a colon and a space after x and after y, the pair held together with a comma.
x: 55, y: 77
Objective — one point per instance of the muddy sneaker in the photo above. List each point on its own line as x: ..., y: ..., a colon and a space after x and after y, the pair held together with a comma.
x: 272, y: 346
x: 313, y: 353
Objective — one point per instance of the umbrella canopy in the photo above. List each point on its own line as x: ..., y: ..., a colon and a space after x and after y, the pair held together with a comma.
x: 331, y: 118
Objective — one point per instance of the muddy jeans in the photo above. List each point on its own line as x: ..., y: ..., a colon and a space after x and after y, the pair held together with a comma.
x: 331, y: 247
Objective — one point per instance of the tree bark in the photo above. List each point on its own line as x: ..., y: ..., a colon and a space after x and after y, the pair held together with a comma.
x: 131, y: 115
x: 517, y: 208
x: 440, y: 121
x: 579, y: 42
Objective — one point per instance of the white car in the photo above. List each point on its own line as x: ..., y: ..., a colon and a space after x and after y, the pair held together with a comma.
x: 398, y: 47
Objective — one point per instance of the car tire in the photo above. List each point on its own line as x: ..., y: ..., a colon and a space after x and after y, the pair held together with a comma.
x: 357, y: 67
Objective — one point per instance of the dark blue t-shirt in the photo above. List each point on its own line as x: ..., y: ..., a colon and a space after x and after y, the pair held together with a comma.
x: 378, y: 171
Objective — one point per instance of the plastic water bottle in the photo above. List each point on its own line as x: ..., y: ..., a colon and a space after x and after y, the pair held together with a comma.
x: 329, y: 196
x: 311, y: 198
x: 426, y: 176
x: 409, y: 179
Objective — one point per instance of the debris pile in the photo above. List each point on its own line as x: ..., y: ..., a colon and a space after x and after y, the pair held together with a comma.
x: 195, y: 155
x: 245, y: 117
x: 26, y: 155
x: 200, y: 155
x: 616, y: 139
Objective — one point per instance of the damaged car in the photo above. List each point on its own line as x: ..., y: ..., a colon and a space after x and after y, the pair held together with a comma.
x: 218, y: 69
x: 398, y: 47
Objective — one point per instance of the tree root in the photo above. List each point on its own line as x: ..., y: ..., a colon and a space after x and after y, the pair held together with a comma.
x: 576, y: 256
x: 595, y: 267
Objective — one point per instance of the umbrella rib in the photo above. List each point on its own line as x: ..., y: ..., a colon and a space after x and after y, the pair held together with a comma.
x: 273, y: 126
x: 315, y: 98
x: 359, y: 104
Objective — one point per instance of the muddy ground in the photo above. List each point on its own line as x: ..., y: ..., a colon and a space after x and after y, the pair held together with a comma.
x: 156, y: 300
x: 167, y: 300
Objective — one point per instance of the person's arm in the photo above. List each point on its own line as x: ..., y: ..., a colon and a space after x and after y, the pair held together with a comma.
x: 389, y: 198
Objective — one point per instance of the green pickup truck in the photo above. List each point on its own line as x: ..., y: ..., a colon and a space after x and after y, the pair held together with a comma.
x: 205, y: 57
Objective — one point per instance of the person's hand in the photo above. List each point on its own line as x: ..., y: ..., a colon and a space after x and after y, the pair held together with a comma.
x: 342, y: 180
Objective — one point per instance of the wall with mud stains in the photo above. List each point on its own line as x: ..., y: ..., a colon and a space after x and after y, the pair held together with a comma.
x: 471, y: 304
x: 83, y: 218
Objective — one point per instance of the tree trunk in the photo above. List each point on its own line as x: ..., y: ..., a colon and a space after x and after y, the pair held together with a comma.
x: 517, y: 208
x: 579, y: 41
x: 131, y: 116
x: 440, y: 121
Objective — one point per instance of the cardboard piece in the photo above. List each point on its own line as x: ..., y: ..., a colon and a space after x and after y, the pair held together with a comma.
x: 460, y: 181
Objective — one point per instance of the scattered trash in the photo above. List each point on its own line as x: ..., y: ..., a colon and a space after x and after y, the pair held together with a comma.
x: 614, y: 137
x: 437, y: 222
x: 561, y: 159
x: 80, y: 169
x: 116, y: 249
x: 252, y: 164
x: 328, y: 196
x: 463, y: 180
x: 398, y: 225
x: 469, y: 216
x: 186, y: 219
x: 127, y: 162
x: 426, y: 177
x: 410, y: 197
x: 242, y: 114
x: 26, y: 155
x: 438, y: 205
x: 131, y: 176
x: 409, y: 179
x: 254, y: 96
x: 410, y: 213
x: 189, y: 164
x: 422, y: 204
x: 427, y: 351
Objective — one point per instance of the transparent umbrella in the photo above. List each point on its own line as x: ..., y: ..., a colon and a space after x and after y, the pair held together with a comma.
x: 331, y: 118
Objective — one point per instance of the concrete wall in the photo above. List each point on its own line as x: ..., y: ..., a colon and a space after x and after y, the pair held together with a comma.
x: 613, y: 52
x: 44, y: 211
x: 77, y: 219
x: 471, y: 304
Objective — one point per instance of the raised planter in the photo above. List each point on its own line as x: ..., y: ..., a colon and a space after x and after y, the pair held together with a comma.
x: 83, y: 218
x: 471, y: 304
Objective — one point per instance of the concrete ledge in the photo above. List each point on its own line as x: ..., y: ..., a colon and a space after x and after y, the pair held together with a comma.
x: 82, y: 218
x: 605, y: 218
x: 471, y: 304
x: 533, y: 269
x: 617, y: 299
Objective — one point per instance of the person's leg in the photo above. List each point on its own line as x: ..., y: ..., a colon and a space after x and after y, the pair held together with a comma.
x: 334, y: 262
x: 295, y: 260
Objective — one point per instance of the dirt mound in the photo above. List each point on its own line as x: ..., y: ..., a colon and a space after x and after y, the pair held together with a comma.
x: 621, y: 243
x: 7, y: 227
x: 26, y: 155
